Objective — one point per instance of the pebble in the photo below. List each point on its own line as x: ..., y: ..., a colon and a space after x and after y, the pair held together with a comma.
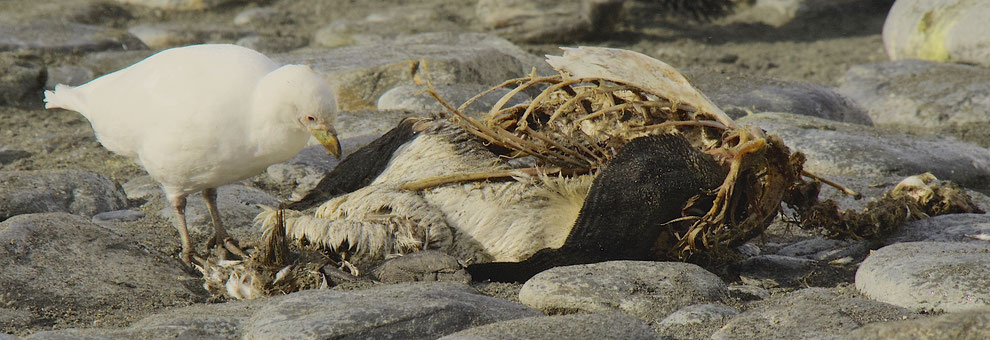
x: 58, y: 258
x: 843, y: 149
x: 938, y: 30
x: 923, y: 96
x: 811, y: 313
x: 647, y: 290
x: 72, y: 191
x: 361, y: 74
x: 929, y: 276
x: 548, y: 21
x: 604, y: 325
x: 973, y: 324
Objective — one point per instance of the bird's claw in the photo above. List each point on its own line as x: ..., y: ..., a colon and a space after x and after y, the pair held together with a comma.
x: 229, y: 244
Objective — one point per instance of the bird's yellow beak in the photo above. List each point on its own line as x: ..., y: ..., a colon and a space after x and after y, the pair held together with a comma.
x: 328, y: 137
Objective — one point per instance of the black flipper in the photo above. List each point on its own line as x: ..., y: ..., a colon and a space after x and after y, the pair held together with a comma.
x: 361, y: 167
x: 644, y: 186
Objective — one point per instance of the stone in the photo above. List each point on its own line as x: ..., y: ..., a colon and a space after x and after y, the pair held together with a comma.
x: 811, y: 313
x: 165, y: 35
x: 118, y: 216
x: 261, y: 16
x: 923, y: 96
x: 852, y: 150
x: 741, y: 94
x: 748, y: 292
x: 64, y: 263
x: 99, y: 13
x: 820, y: 249
x: 413, y: 98
x: 699, y: 314
x: 427, y: 265
x: 973, y: 324
x: 58, y: 37
x: 778, y: 13
x: 238, y: 205
x: 10, y: 156
x: 604, y: 325
x: 142, y: 188
x: 73, y: 75
x: 938, y: 30
x: 178, y: 5
x: 548, y: 21
x: 389, y: 23
x: 72, y: 191
x: 931, y: 276
x: 361, y: 74
x: 22, y: 79
x: 944, y: 228
x: 770, y: 271
x: 109, y: 61
x: 267, y: 43
x: 647, y: 290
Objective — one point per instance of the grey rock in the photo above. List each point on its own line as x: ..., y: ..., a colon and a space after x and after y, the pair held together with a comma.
x: 413, y: 98
x: 392, y: 22
x: 178, y: 5
x: 924, y: 96
x: 143, y: 188
x: 72, y: 191
x: 944, y: 228
x: 748, y: 292
x: 812, y: 313
x: 361, y: 74
x: 238, y: 205
x: 548, y: 21
x: 778, y: 13
x: 4, y: 336
x: 939, y: 30
x: 605, y: 325
x: 947, y: 276
x: 771, y: 271
x: 259, y: 16
x: 700, y: 314
x: 60, y: 37
x: 272, y: 43
x: 427, y: 265
x: 11, y: 319
x: 22, y: 79
x: 741, y: 94
x: 57, y: 259
x: 967, y: 325
x: 647, y: 290
x: 98, y: 13
x: 408, y: 311
x: 820, y: 249
x: 118, y: 216
x: 10, y: 156
x: 109, y: 61
x: 67, y: 74
x: 165, y: 35
x: 843, y: 149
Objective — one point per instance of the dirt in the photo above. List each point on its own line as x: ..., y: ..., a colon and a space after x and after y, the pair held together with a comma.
x: 818, y: 49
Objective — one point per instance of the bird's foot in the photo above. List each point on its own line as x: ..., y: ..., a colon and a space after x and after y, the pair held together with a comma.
x: 228, y: 245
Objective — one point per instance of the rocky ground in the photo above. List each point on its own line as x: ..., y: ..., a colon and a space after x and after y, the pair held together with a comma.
x: 87, y: 249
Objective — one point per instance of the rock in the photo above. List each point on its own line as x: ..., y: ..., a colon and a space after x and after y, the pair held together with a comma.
x: 67, y: 74
x: 548, y: 21
x: 938, y: 30
x: 699, y: 314
x: 4, y: 336
x: 64, y: 263
x: 11, y: 319
x: 647, y: 290
x: 99, y: 13
x: 22, y: 79
x: 778, y: 13
x: 10, y: 156
x: 842, y: 149
x: 741, y: 94
x: 412, y: 98
x: 60, y: 37
x: 391, y: 22
x: 770, y: 271
x: 947, y: 276
x: 924, y: 96
x: 109, y: 61
x: 238, y: 205
x: 118, y: 216
x: 605, y: 325
x: 820, y: 249
x: 427, y: 265
x: 748, y: 292
x: 178, y: 5
x: 405, y: 311
x: 142, y: 188
x: 165, y: 35
x: 811, y: 313
x: 261, y: 16
x: 272, y: 43
x: 944, y: 228
x: 361, y: 74
x: 974, y: 324
x: 72, y: 191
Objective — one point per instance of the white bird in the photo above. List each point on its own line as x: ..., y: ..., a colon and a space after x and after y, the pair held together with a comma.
x: 201, y: 116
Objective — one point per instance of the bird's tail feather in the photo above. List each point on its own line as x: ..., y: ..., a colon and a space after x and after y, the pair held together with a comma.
x: 63, y: 97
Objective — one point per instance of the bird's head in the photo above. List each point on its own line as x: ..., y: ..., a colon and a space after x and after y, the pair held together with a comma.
x: 310, y: 102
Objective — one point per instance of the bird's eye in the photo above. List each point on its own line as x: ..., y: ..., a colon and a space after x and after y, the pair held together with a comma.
x: 311, y: 118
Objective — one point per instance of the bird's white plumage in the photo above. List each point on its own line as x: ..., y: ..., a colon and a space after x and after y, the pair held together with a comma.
x: 200, y: 116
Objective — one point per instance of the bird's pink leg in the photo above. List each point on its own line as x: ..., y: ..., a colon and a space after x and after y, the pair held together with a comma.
x: 179, y: 204
x: 220, y: 236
